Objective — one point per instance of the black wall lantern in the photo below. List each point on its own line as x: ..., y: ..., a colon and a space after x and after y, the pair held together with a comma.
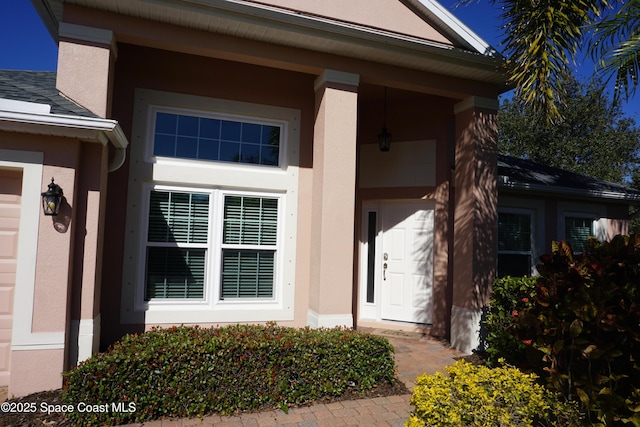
x: 52, y: 199
x: 384, y: 137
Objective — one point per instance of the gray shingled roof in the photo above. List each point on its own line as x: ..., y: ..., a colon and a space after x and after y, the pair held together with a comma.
x: 38, y: 87
x: 520, y: 174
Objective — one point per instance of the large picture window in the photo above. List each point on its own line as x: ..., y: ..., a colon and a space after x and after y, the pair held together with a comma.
x: 189, y: 136
x: 182, y: 240
x: 212, y: 208
x: 514, y: 244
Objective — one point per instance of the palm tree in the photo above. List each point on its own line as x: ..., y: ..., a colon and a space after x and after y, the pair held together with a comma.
x: 543, y: 37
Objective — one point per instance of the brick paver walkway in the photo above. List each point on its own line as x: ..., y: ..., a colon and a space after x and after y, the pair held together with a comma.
x: 413, y: 358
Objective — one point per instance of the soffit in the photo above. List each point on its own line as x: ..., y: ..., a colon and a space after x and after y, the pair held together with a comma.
x: 278, y: 25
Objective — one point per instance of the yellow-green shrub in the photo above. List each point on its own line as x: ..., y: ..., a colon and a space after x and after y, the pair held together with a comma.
x: 478, y: 396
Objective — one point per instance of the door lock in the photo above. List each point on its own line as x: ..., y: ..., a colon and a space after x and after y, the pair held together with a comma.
x: 385, y: 257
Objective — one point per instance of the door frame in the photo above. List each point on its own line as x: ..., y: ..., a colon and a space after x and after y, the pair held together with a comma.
x: 372, y: 310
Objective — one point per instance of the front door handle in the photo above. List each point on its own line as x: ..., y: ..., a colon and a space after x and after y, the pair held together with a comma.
x: 384, y: 271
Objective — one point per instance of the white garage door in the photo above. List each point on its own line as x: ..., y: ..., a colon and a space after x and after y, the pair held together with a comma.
x: 10, y: 191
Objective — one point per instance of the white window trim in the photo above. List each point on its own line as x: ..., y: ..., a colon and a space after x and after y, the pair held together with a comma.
x: 214, y: 176
x: 369, y: 310
x: 184, y: 304
x: 212, y: 285
x: 532, y: 237
x: 581, y: 210
x: 536, y: 208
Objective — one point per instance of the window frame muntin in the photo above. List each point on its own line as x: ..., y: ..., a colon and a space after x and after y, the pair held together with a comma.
x: 141, y: 289
x: 278, y: 249
x: 284, y: 180
x: 595, y: 224
x: 153, y: 109
x: 213, y: 260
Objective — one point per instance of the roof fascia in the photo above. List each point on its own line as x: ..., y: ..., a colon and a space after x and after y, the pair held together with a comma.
x: 348, y: 32
x: 50, y: 12
x: 85, y: 128
x: 505, y: 183
x: 453, y: 27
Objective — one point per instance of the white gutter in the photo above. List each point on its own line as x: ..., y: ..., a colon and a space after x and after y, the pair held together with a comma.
x: 34, y: 118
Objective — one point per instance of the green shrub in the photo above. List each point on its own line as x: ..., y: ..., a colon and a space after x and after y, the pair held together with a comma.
x: 509, y: 296
x: 190, y: 371
x: 479, y: 396
x: 585, y: 326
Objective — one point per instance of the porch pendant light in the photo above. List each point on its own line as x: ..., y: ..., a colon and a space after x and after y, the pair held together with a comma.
x: 384, y: 137
x: 52, y: 199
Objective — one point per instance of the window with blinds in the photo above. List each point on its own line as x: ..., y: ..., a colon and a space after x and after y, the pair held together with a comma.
x: 177, y: 244
x: 249, y: 239
x: 577, y: 230
x: 514, y: 244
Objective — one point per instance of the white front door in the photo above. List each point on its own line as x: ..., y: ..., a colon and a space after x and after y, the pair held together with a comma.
x: 406, y: 257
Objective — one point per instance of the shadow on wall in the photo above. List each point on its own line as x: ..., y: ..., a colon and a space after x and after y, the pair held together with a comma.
x: 475, y: 228
x: 62, y: 221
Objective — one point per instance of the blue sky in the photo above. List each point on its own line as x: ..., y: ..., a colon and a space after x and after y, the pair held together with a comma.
x: 26, y: 45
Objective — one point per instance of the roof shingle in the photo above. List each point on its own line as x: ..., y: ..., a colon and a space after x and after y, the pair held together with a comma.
x: 38, y: 87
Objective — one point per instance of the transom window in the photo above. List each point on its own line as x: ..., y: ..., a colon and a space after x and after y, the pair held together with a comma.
x: 514, y: 244
x: 183, y: 241
x: 190, y: 136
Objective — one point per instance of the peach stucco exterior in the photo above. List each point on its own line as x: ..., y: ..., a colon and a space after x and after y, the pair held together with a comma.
x: 404, y: 239
x: 57, y: 278
x: 334, y: 94
x: 336, y: 105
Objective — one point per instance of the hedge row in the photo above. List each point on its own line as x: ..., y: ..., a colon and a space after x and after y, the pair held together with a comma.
x: 191, y: 371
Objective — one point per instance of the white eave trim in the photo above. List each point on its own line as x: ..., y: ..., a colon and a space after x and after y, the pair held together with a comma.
x: 483, y: 51
x: 454, y: 27
x: 85, y: 128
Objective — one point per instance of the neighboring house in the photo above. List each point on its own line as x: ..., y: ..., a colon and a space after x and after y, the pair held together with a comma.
x: 539, y: 204
x: 253, y: 188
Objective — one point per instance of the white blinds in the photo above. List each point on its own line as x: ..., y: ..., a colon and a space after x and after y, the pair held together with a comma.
x: 249, y: 241
x: 178, y: 224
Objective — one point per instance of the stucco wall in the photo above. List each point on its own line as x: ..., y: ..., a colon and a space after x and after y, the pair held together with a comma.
x: 44, y: 295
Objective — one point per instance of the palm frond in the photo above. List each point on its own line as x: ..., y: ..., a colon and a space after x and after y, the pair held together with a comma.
x: 616, y: 48
x: 541, y: 38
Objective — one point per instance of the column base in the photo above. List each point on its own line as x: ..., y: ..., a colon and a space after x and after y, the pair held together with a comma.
x: 465, y: 328
x: 316, y: 320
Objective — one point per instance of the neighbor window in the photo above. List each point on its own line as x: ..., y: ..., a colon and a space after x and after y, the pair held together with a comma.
x: 183, y: 242
x: 209, y: 137
x: 576, y: 231
x: 514, y: 244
